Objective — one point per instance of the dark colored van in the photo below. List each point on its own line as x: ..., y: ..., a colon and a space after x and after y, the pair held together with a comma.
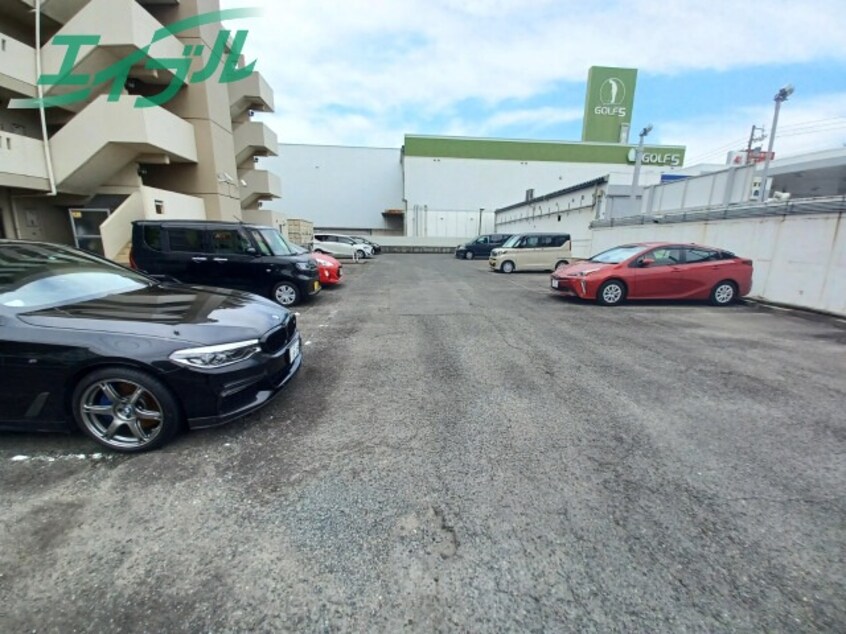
x: 236, y: 255
x: 482, y: 246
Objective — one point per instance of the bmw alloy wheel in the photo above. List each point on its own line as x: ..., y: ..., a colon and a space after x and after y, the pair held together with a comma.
x: 125, y: 409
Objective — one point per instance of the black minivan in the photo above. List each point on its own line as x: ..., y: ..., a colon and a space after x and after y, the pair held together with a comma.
x: 236, y: 255
x: 481, y: 246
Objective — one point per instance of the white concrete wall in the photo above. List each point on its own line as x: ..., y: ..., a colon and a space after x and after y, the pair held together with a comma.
x: 799, y: 260
x: 445, y: 194
x: 336, y: 186
x: 723, y: 187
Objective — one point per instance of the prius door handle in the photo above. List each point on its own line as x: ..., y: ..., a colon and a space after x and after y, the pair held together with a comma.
x: 221, y: 259
x: 199, y: 259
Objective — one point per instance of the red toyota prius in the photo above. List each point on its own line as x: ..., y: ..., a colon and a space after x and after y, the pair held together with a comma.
x: 656, y: 270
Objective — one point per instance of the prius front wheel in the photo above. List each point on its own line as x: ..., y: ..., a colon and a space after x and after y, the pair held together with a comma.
x: 611, y: 293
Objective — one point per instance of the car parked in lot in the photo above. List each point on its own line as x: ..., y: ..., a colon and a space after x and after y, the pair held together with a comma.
x: 377, y: 248
x: 531, y: 252
x: 341, y: 246
x: 328, y: 268
x: 126, y: 358
x: 481, y: 246
x: 657, y: 270
x: 234, y: 255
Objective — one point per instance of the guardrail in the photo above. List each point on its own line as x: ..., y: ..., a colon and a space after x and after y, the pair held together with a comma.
x: 806, y: 206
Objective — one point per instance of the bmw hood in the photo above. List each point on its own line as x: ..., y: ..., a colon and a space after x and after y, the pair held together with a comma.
x: 196, y: 314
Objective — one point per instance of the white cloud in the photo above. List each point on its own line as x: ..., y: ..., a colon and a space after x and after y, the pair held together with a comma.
x: 397, y: 63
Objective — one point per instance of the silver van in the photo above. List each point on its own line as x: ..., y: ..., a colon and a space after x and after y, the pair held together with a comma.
x: 531, y: 252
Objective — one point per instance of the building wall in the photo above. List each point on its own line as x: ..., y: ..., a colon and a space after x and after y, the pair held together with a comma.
x: 571, y: 212
x: 184, y: 146
x: 336, y: 186
x: 800, y: 260
x: 445, y: 195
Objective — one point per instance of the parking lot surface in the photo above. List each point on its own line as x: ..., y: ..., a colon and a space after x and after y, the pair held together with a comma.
x: 464, y: 451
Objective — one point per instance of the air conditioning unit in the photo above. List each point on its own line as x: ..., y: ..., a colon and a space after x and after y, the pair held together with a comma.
x: 755, y: 193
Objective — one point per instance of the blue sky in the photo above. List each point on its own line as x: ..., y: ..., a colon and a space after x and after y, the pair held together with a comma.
x: 365, y: 72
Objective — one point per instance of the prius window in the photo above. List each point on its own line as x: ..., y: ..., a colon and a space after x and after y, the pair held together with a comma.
x: 665, y: 256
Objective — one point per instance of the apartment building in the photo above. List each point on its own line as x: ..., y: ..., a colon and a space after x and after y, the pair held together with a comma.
x: 81, y: 171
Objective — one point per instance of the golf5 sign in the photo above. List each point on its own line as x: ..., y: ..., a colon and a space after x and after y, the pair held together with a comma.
x: 608, y: 104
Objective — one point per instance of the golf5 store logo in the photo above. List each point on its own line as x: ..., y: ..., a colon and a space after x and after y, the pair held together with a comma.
x: 612, y: 93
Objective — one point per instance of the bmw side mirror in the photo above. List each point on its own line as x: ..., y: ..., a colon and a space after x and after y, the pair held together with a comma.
x: 646, y: 261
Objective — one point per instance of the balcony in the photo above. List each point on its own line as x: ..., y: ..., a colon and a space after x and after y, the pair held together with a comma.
x: 124, y: 28
x: 61, y: 12
x: 17, y: 66
x: 106, y: 136
x: 252, y: 93
x: 22, y: 162
x: 260, y: 185
x: 253, y: 139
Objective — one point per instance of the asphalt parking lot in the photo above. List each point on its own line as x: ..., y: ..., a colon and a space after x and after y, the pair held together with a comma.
x: 464, y: 451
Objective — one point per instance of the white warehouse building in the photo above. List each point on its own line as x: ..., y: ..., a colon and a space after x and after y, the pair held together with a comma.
x: 443, y: 187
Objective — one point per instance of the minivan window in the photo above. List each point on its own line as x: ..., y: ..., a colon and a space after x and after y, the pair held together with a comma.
x: 153, y: 237
x: 273, y: 241
x: 229, y: 241
x: 511, y: 242
x: 190, y: 240
x: 482, y: 240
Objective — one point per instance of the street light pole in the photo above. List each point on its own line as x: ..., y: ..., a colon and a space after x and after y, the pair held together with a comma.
x: 780, y: 97
x: 638, y: 160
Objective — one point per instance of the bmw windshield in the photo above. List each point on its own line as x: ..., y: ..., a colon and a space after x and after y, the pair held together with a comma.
x: 37, y: 276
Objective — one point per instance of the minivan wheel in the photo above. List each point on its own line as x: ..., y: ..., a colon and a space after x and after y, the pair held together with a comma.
x: 611, y: 293
x: 507, y: 267
x: 560, y: 263
x: 286, y: 293
x: 469, y: 255
x: 723, y: 293
x: 126, y: 410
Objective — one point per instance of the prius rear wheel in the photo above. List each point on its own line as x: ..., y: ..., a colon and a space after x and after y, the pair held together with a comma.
x: 723, y: 293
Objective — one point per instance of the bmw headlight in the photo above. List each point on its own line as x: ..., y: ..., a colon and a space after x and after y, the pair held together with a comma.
x: 322, y: 262
x: 213, y: 357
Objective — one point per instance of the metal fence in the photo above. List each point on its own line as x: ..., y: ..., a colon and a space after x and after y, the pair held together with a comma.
x: 799, y: 207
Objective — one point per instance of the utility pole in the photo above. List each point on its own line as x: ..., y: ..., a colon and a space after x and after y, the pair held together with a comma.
x: 780, y: 97
x: 638, y: 160
x: 754, y: 139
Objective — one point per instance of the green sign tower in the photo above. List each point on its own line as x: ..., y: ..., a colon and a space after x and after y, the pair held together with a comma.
x: 608, y: 104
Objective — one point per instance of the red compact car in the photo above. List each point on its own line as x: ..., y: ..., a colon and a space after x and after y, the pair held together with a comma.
x: 656, y: 270
x: 328, y: 268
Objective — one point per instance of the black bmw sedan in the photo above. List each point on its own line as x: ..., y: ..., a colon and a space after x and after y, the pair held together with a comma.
x: 126, y: 358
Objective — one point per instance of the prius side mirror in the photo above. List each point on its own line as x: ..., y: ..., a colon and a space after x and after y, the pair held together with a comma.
x: 252, y: 251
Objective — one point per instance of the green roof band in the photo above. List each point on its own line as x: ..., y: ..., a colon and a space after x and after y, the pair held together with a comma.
x: 558, y: 151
